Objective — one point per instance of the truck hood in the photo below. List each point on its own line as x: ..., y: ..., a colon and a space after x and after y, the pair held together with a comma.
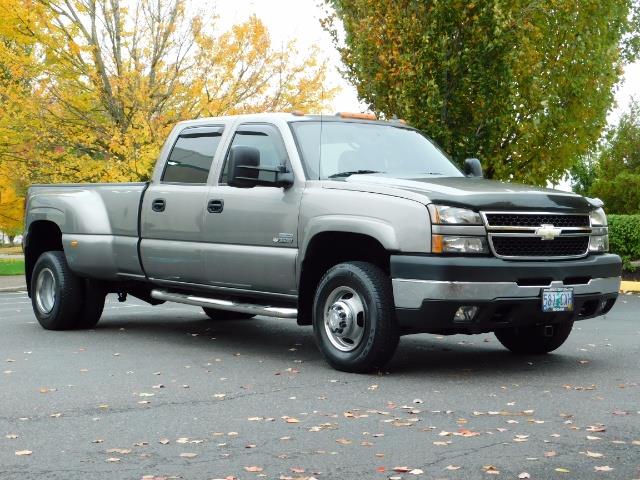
x: 475, y: 193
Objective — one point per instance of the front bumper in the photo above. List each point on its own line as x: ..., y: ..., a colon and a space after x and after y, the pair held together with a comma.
x: 428, y: 290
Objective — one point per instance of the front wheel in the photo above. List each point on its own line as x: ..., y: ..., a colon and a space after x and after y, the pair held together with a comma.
x: 535, y: 340
x: 354, y: 321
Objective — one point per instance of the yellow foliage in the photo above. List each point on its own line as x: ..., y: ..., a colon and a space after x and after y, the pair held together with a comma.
x: 90, y: 90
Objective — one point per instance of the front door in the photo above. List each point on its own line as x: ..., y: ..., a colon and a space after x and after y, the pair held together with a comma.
x: 173, y: 209
x: 253, y: 237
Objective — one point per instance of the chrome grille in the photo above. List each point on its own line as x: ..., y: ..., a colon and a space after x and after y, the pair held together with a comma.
x: 518, y: 235
x: 518, y: 246
x: 536, y: 219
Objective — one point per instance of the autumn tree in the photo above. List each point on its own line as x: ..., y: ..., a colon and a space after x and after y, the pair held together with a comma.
x: 523, y: 85
x: 117, y: 75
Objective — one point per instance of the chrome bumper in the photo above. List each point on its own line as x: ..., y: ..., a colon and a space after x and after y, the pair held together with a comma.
x: 410, y: 293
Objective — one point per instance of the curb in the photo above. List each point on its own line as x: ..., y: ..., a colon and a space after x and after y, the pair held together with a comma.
x: 18, y: 288
x: 628, y: 287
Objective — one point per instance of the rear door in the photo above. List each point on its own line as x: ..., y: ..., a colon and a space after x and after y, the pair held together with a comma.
x: 252, y: 237
x: 173, y: 208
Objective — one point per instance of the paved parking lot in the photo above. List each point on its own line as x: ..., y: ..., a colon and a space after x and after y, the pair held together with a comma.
x: 166, y: 392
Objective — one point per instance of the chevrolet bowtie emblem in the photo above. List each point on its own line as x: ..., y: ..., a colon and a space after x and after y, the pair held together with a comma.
x: 548, y: 232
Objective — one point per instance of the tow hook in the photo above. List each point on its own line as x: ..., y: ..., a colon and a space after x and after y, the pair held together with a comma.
x: 548, y: 330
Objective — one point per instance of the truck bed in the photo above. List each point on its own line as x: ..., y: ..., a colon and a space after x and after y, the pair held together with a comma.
x: 98, y: 222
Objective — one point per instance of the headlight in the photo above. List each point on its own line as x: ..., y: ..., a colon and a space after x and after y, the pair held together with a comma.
x: 598, y: 218
x: 458, y: 244
x: 599, y: 241
x: 444, y: 215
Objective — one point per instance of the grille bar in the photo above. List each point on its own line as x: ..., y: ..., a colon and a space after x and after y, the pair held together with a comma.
x: 536, y: 219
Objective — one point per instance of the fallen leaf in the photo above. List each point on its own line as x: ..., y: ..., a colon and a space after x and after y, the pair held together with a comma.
x: 401, y: 469
x: 22, y: 453
x: 122, y: 451
x: 604, y: 468
x: 596, y: 428
x: 490, y: 469
x: 593, y: 454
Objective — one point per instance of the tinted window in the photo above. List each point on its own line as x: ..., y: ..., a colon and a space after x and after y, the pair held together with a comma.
x: 266, y: 139
x: 338, y: 147
x: 192, y: 155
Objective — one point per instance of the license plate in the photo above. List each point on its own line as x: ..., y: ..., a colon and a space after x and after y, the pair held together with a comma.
x: 557, y: 299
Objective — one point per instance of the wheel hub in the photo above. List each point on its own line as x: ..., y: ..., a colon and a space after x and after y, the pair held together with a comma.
x: 344, y: 319
x: 45, y: 291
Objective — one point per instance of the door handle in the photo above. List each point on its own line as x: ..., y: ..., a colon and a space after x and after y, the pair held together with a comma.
x: 158, y: 205
x: 215, y: 206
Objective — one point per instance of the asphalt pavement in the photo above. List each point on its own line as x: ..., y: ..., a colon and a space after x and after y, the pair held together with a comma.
x: 165, y: 392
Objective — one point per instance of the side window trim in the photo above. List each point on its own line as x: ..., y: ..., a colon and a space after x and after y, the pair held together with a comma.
x: 285, y: 161
x: 193, y: 131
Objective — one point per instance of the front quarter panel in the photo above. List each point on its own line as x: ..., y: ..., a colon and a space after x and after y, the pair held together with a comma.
x: 399, y: 224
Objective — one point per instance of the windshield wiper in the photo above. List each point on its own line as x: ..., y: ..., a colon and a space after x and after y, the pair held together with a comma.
x: 353, y: 172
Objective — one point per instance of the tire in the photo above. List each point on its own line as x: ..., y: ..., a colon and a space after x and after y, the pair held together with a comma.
x: 94, y: 297
x: 217, y: 314
x: 532, y: 340
x: 354, y: 320
x: 61, y: 300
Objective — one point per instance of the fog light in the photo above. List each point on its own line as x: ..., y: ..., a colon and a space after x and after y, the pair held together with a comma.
x: 599, y: 243
x: 465, y: 314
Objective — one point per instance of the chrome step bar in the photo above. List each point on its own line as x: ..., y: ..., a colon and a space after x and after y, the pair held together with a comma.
x: 250, y: 308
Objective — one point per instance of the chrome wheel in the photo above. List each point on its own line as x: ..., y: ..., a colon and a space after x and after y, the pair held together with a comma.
x: 344, y: 319
x: 45, y: 291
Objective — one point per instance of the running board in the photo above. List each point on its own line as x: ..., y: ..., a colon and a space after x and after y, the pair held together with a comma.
x: 250, y: 308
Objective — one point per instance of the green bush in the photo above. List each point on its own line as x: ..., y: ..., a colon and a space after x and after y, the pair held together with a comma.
x: 624, y: 238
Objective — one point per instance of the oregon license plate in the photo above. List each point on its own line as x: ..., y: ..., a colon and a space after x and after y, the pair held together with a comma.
x: 557, y: 299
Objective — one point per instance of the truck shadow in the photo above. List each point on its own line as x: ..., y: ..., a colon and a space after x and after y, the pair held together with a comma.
x: 283, y: 340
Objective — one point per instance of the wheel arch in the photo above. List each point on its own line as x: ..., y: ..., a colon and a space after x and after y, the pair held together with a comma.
x: 42, y: 236
x: 328, y: 248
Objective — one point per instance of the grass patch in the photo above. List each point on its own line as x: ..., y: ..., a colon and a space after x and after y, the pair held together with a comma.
x: 11, y: 267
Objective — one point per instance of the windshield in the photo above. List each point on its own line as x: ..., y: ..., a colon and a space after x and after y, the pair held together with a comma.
x: 352, y: 148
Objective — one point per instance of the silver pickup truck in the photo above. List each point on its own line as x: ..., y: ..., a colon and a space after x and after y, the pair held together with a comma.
x: 362, y: 228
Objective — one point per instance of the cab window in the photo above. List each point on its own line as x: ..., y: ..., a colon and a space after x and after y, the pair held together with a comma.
x: 192, y: 155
